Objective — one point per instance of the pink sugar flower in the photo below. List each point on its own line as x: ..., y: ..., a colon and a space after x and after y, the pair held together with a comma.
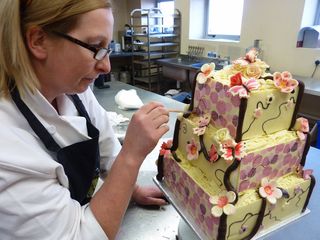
x: 227, y: 153
x: 269, y: 190
x: 192, y: 150
x: 284, y: 81
x: 304, y: 173
x: 167, y: 145
x: 207, y: 71
x: 257, y: 113
x: 204, y: 120
x: 242, y: 86
x: 199, y: 131
x: 232, y: 150
x: 239, y: 151
x: 165, y: 148
x: 251, y: 56
x: 302, y: 127
x: 213, y: 154
x: 236, y: 79
x: 202, y: 124
x: 222, y: 203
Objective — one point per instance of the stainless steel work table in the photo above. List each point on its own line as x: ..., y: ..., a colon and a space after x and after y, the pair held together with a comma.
x: 144, y: 223
x: 162, y: 223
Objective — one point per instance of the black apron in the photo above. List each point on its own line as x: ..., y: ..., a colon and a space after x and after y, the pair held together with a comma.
x: 81, y: 161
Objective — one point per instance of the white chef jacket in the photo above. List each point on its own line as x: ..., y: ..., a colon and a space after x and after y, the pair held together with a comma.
x: 35, y: 202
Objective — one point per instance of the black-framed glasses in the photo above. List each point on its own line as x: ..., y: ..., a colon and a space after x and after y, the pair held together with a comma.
x: 99, y: 52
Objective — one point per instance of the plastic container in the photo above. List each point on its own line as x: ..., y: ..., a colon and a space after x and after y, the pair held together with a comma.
x: 125, y: 76
x: 117, y: 47
x: 114, y: 76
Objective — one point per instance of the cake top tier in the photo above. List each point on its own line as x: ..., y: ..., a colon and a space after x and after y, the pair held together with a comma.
x: 248, y: 74
x: 246, y: 99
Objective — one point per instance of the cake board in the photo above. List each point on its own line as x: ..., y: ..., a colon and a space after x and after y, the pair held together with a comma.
x: 188, y: 230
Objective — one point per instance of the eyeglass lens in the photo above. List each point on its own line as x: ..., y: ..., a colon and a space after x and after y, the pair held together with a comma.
x: 102, y: 53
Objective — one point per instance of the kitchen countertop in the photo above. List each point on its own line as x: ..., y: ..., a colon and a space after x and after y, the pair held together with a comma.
x: 120, y: 54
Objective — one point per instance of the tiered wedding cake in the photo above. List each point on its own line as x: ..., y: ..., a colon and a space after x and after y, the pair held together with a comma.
x: 236, y: 161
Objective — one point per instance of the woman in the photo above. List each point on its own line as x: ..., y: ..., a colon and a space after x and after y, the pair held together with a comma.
x: 55, y: 137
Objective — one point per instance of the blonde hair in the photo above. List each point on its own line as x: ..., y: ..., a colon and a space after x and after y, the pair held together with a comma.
x: 16, y: 17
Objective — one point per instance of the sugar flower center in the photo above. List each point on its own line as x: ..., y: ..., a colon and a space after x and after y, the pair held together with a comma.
x: 268, y: 190
x: 223, y: 201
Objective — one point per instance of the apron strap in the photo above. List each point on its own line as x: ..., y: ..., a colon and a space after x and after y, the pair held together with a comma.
x: 34, y: 123
x: 92, y: 131
x: 80, y: 107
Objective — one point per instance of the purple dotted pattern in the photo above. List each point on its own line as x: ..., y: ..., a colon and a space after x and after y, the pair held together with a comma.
x: 272, y: 162
x: 213, y: 97
x: 191, y: 197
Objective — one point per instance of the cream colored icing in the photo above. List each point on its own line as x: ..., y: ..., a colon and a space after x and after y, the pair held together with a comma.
x: 241, y: 223
x: 215, y: 171
x: 250, y: 202
x: 277, y: 116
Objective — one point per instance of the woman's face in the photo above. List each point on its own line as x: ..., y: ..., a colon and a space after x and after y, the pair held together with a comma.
x: 70, y: 68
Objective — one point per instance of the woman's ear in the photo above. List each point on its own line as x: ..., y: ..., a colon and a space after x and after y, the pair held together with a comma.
x: 36, y: 40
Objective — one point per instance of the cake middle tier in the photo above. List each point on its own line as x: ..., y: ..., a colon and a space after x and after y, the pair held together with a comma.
x: 270, y: 156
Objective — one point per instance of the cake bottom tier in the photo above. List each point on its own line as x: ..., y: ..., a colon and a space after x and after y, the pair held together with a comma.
x: 253, y: 213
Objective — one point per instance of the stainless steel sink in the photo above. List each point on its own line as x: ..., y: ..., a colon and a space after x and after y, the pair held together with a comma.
x: 184, y: 68
x: 197, y: 62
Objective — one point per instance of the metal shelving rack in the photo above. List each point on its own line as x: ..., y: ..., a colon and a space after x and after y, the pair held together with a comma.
x: 151, y: 40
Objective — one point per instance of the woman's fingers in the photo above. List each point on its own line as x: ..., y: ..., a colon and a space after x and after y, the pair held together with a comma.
x: 147, y: 108
x: 146, y: 127
x: 159, y: 121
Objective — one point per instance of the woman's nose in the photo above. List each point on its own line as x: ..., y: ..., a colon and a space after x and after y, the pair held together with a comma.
x: 104, y: 65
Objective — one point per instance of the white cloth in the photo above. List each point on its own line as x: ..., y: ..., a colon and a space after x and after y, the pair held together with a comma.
x: 116, y: 119
x: 35, y: 201
x: 128, y: 99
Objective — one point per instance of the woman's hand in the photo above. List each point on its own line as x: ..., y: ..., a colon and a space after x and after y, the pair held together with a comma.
x: 148, y: 196
x: 145, y: 129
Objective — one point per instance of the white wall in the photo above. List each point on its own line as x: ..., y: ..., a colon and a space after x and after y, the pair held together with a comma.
x: 276, y: 22
x: 121, y: 13
x: 148, y: 3
x: 121, y: 17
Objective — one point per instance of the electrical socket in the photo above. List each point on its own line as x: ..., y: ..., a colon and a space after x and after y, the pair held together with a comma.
x: 317, y: 62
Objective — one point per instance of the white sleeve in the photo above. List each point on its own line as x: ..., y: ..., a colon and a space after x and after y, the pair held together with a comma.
x: 33, y: 203
x: 92, y: 228
x: 109, y: 144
